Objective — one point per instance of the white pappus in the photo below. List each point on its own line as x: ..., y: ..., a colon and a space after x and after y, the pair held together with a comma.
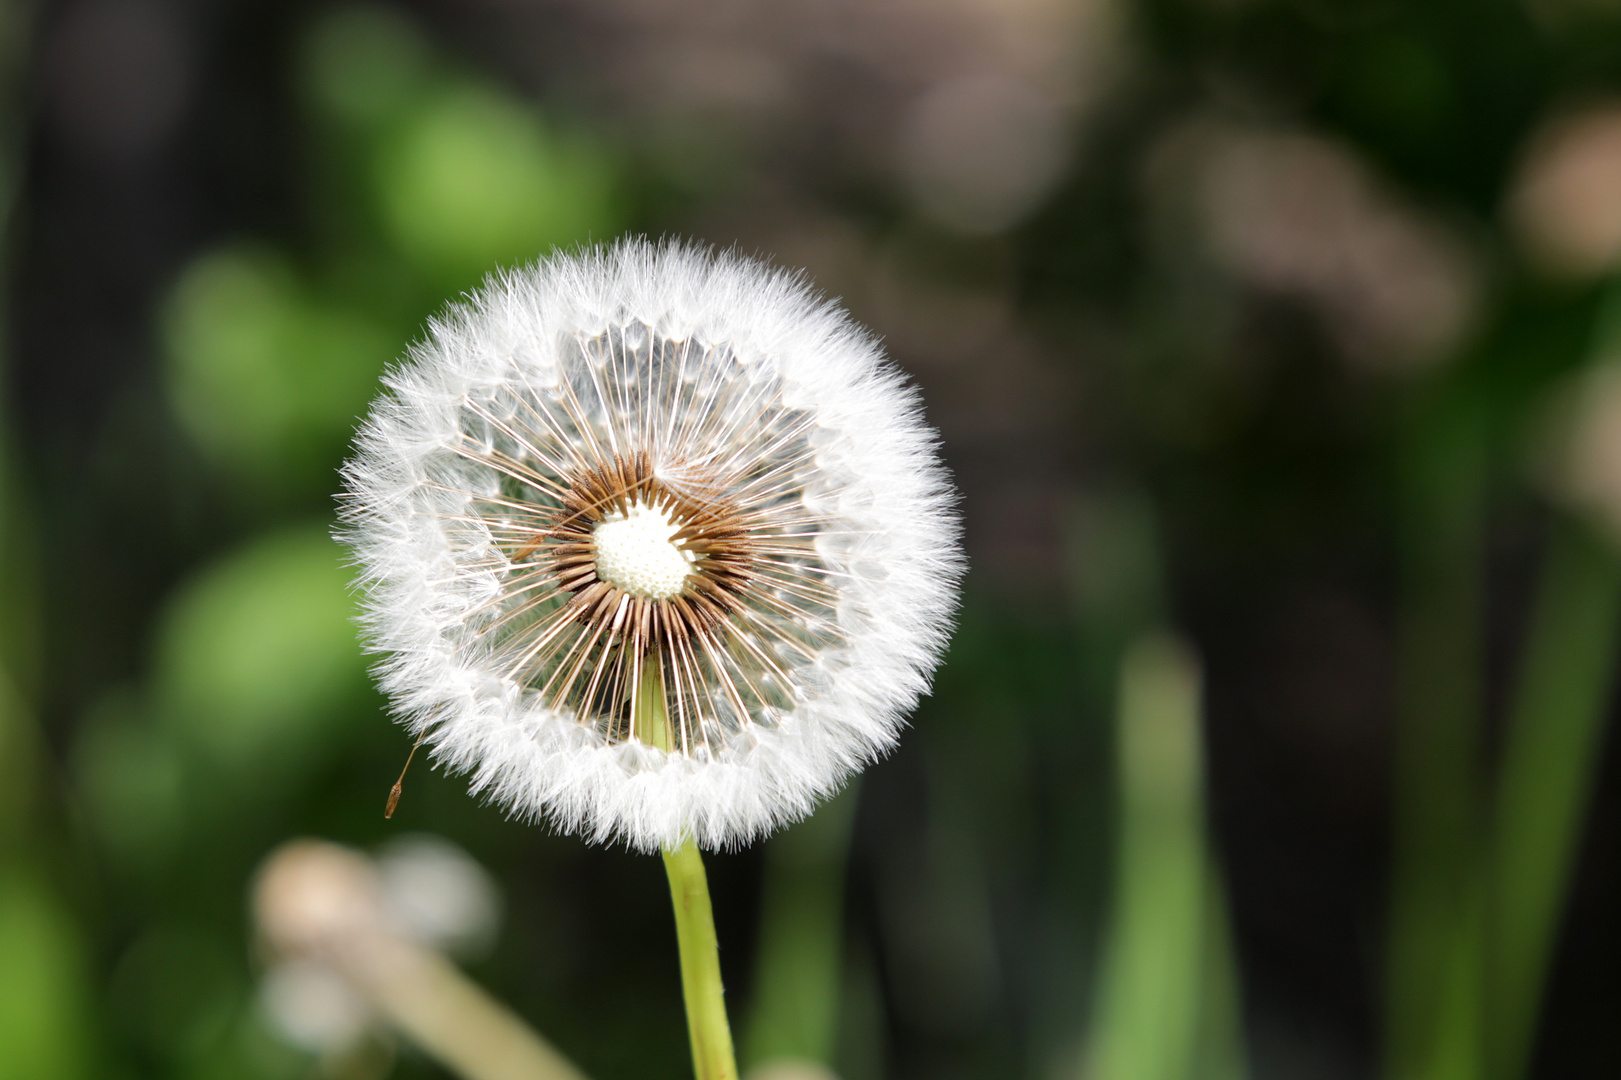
x: 655, y: 543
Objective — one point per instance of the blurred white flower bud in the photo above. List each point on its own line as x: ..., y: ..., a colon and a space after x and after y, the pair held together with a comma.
x: 435, y: 892
x: 313, y: 1007
x: 350, y: 954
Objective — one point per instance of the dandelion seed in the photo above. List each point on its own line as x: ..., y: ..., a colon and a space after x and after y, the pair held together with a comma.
x: 655, y: 543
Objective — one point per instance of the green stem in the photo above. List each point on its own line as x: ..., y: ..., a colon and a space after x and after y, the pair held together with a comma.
x: 712, y: 1057
x: 650, y: 722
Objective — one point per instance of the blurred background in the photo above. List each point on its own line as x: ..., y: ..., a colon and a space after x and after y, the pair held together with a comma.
x: 1275, y: 346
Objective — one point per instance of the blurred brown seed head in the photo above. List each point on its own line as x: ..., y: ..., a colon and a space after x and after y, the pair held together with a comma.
x: 1565, y: 206
x: 1295, y: 214
x: 979, y: 152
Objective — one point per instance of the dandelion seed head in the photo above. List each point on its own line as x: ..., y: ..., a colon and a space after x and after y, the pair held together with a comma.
x: 655, y: 544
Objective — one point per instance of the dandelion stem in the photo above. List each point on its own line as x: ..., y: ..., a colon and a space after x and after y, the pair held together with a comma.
x: 652, y: 721
x: 712, y: 1057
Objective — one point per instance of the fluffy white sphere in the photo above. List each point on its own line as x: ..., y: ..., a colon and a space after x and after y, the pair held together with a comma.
x: 655, y: 542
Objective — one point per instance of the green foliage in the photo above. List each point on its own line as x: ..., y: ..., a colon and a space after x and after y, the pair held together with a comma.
x: 471, y: 180
x: 44, y: 996
x: 799, y: 969
x: 267, y: 378
x: 435, y: 178
x: 258, y: 682
x: 257, y: 660
x: 131, y: 778
x: 361, y: 63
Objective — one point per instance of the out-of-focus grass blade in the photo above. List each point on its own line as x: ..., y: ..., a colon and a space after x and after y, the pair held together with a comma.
x: 1165, y: 1008
x: 1546, y: 780
x: 800, y: 970
x: 1432, y: 1024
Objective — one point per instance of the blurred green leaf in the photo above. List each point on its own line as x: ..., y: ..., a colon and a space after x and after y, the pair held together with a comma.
x: 43, y: 1003
x: 178, y: 988
x: 474, y: 181
x: 130, y: 779
x: 257, y: 656
x: 268, y: 381
x: 362, y: 62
